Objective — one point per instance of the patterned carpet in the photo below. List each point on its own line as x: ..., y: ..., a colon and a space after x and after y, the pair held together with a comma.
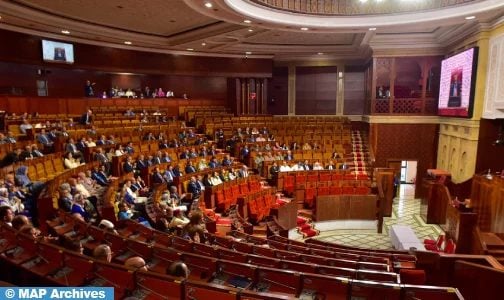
x: 406, y: 211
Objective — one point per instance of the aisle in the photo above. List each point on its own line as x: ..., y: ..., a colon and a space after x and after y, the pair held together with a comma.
x: 405, y: 211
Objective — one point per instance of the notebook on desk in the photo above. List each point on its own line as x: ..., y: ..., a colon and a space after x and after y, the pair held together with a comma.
x: 239, y: 282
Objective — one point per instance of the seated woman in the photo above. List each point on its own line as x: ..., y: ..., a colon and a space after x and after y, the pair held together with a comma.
x: 195, y: 229
x: 83, y: 207
x: 215, y: 179
x: 178, y: 220
x: 70, y: 162
x: 306, y: 146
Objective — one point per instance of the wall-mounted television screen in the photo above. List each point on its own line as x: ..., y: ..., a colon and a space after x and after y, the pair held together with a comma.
x: 57, y: 52
x: 456, y: 90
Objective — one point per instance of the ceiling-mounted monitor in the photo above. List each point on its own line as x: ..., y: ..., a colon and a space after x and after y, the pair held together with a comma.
x: 57, y: 52
x: 458, y: 79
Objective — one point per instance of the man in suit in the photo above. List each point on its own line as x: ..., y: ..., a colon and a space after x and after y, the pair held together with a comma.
x: 157, y: 178
x: 72, y: 148
x: 164, y: 144
x: 140, y: 163
x: 185, y: 154
x: 87, y: 118
x: 168, y: 175
x: 88, y: 89
x: 190, y: 168
x: 226, y: 162
x: 129, y: 148
x: 156, y: 160
x: 243, y: 172
x: 288, y: 156
x: 101, y: 141
x: 165, y: 158
x: 194, y: 188
x: 274, y: 170
x: 26, y: 153
x: 176, y: 171
x: 128, y: 165
x: 35, y: 151
x: 43, y: 139
x: 213, y: 163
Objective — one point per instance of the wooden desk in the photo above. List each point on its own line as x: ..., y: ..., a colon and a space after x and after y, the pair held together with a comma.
x: 346, y: 207
x: 434, y: 202
x: 286, y: 215
x: 459, y: 227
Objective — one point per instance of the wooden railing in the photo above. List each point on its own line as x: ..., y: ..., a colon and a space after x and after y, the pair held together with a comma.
x: 404, y: 106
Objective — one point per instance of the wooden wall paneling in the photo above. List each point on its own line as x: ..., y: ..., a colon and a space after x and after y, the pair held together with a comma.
x: 406, y: 142
x: 278, y: 92
x: 354, y: 83
x: 316, y: 90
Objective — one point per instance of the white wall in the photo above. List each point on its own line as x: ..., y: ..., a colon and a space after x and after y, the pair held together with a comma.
x: 411, y: 171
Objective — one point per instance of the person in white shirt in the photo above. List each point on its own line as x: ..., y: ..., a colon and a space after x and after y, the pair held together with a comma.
x: 70, y: 162
x: 285, y: 167
x: 90, y: 142
x: 178, y: 220
x: 25, y: 126
x: 317, y: 166
x: 119, y: 151
x: 215, y: 179
x: 231, y: 175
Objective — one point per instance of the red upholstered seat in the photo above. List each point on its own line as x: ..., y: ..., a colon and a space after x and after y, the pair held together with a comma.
x: 310, y: 194
x: 409, y: 276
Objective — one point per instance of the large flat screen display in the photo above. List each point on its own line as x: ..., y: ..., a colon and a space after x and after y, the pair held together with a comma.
x: 57, y: 52
x: 456, y: 90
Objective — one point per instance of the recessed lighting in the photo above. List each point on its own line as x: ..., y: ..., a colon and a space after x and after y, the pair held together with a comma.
x: 320, y: 53
x: 304, y: 28
x: 208, y: 5
x: 203, y: 44
x: 250, y: 30
x: 65, y: 31
x: 128, y: 42
x: 363, y: 1
x: 470, y: 17
x: 190, y: 49
x: 248, y: 53
x: 247, y: 21
x: 372, y: 28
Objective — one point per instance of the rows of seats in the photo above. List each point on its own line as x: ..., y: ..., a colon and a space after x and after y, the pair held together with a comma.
x: 224, y: 277
x: 278, y: 270
x: 332, y: 182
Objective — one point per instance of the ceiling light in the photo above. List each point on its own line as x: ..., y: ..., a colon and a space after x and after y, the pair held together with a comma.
x: 190, y: 49
x: 363, y: 1
x: 247, y: 21
x: 203, y: 44
x: 208, y: 5
x: 470, y: 18
x: 372, y: 28
x: 128, y: 42
x: 320, y: 53
x: 248, y: 53
x: 250, y: 30
x: 304, y: 28
x: 65, y: 31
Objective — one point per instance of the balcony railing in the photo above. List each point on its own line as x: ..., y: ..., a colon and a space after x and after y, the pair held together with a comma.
x: 404, y: 106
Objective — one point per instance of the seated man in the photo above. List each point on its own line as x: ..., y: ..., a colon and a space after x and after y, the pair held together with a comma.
x: 44, y: 139
x: 178, y: 269
x: 136, y: 263
x: 103, y: 252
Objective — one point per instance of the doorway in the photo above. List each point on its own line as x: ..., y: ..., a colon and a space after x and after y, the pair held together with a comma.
x: 405, y: 171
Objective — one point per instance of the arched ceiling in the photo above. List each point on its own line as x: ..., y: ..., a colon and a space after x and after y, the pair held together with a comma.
x: 333, y: 29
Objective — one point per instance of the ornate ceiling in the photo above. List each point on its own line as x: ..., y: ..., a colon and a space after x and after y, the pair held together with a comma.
x: 281, y: 29
x: 357, y: 7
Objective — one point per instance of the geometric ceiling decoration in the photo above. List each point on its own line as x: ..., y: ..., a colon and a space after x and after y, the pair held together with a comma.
x: 277, y: 29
